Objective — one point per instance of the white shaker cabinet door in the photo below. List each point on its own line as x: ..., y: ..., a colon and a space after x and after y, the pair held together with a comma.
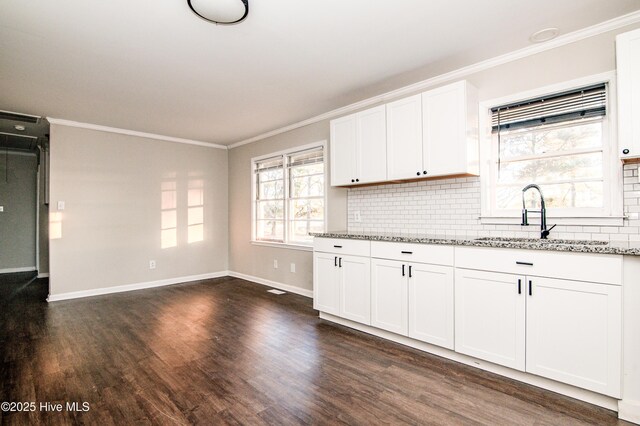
x: 389, y: 295
x: 326, y: 282
x: 404, y: 138
x: 372, y: 145
x: 355, y: 299
x: 344, y: 141
x: 431, y: 304
x: 574, y: 333
x: 490, y: 317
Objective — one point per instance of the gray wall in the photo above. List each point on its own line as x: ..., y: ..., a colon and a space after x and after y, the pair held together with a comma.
x: 111, y: 225
x: 18, y: 221
x: 583, y: 58
x: 255, y: 260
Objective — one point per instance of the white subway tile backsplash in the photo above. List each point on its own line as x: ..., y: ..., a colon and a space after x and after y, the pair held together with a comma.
x: 452, y: 208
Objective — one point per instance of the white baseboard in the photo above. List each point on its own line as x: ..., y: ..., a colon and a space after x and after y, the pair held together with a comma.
x: 269, y: 283
x: 629, y: 411
x: 43, y: 275
x: 14, y: 270
x: 541, y: 382
x: 132, y: 287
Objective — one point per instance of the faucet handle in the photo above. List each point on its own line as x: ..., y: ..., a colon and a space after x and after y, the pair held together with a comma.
x: 545, y: 233
x: 525, y: 221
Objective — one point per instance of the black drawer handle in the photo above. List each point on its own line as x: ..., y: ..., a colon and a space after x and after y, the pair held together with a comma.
x: 406, y: 252
x: 338, y: 246
x: 403, y: 270
x: 530, y: 288
x: 340, y: 263
x: 520, y: 286
x: 335, y: 261
x: 410, y: 276
x: 524, y: 263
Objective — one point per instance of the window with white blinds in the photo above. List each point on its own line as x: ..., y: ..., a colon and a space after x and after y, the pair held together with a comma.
x: 559, y: 142
x: 289, y: 196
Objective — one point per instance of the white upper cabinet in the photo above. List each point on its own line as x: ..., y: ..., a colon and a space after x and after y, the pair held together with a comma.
x: 372, y: 145
x: 344, y: 145
x: 404, y: 138
x: 628, y: 63
x: 450, y: 130
x: 359, y: 148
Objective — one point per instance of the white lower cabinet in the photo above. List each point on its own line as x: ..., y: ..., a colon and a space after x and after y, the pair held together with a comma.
x: 490, y: 317
x: 569, y: 331
x: 355, y: 290
x: 389, y: 296
x: 431, y: 304
x: 413, y: 299
x: 342, y: 285
x: 574, y: 333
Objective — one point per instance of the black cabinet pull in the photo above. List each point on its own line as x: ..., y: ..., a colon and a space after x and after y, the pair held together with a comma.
x: 524, y: 263
x: 406, y: 252
x: 403, y: 270
x: 530, y: 289
x: 357, y: 180
x: 340, y: 263
x: 625, y: 151
x: 335, y: 261
x: 353, y: 180
x: 410, y: 271
x: 424, y: 172
x: 520, y: 286
x: 338, y: 246
x: 418, y: 173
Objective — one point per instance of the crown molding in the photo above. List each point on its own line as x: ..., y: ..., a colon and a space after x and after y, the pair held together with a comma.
x: 98, y: 127
x: 594, y: 30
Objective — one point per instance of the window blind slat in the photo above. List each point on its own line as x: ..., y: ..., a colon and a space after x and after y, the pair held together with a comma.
x: 586, y: 102
x: 312, y: 156
x: 268, y: 164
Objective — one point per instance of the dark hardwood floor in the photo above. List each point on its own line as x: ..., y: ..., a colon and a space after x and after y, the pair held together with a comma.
x: 224, y: 351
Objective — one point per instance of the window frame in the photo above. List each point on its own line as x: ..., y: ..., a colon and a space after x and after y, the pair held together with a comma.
x: 612, y: 212
x: 287, y: 243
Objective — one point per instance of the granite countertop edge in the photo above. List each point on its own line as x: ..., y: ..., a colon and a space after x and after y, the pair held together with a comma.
x: 547, y: 246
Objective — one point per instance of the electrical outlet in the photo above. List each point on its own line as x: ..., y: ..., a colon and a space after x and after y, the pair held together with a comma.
x: 152, y: 264
x: 275, y: 263
x: 293, y: 268
x: 356, y: 216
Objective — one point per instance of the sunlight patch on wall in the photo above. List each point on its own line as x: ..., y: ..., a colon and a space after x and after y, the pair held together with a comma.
x: 195, y: 214
x: 168, y: 215
x: 55, y: 225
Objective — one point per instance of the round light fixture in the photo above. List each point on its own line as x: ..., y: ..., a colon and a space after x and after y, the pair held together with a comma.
x: 220, y: 11
x: 544, y: 35
x: 19, y: 127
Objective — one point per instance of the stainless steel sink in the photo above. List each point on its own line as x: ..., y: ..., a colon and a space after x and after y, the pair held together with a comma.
x: 541, y: 241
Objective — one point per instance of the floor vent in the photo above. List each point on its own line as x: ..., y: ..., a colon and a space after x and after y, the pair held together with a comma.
x: 278, y: 292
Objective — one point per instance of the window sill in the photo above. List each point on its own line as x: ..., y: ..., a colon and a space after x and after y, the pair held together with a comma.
x: 571, y: 221
x: 283, y: 245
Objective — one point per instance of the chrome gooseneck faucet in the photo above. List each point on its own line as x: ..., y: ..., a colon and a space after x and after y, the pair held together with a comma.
x: 544, y: 232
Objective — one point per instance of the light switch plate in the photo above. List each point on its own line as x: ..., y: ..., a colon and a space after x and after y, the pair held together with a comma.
x: 1, y: 208
x: 60, y: 205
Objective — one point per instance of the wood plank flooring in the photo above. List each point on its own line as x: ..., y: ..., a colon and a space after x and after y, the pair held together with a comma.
x: 224, y: 351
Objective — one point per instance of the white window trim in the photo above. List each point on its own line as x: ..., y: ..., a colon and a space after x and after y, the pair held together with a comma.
x: 286, y: 244
x: 611, y: 163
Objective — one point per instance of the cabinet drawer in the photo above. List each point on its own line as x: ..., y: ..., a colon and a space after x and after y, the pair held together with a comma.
x: 420, y: 253
x: 564, y: 265
x: 342, y: 246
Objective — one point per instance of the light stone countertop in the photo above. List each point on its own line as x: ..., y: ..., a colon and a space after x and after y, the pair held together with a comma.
x: 578, y: 246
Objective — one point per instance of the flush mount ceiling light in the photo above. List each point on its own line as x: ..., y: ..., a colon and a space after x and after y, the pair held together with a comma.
x: 544, y: 35
x: 220, y: 11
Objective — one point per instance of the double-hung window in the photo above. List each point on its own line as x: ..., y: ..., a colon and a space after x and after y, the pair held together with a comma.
x: 560, y: 142
x: 289, y: 196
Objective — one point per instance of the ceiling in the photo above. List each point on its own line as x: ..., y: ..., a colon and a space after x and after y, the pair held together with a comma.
x: 153, y: 66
